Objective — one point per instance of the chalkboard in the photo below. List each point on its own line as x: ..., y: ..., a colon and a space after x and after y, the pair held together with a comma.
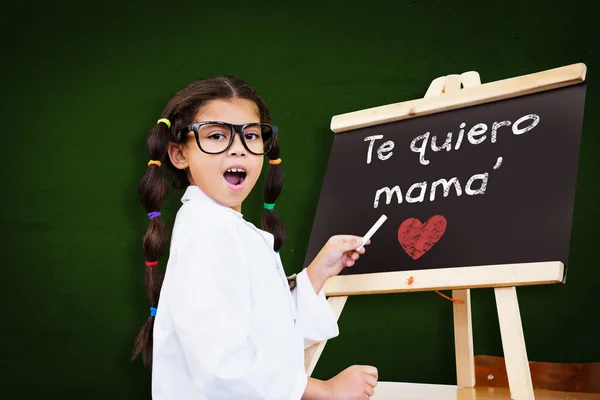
x: 488, y: 184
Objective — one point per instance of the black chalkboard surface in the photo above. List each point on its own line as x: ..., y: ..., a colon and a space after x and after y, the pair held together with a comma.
x: 487, y: 184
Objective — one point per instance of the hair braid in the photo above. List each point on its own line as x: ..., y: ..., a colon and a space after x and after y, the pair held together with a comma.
x: 273, y: 186
x: 152, y: 192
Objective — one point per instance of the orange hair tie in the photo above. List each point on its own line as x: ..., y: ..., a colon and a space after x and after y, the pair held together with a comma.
x: 157, y: 163
x: 275, y: 162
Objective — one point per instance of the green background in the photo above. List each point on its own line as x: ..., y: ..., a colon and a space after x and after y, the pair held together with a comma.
x: 83, y: 82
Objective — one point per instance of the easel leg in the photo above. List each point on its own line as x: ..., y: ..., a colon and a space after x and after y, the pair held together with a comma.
x: 463, y: 339
x: 312, y: 354
x: 463, y: 331
x: 513, y: 343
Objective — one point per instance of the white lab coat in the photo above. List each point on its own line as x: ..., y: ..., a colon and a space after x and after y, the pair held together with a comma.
x: 227, y: 325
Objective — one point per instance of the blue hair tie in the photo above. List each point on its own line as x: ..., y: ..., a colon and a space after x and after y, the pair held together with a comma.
x: 154, y: 214
x: 153, y: 311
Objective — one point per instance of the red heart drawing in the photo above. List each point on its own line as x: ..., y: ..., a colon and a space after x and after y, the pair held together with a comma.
x: 416, y: 238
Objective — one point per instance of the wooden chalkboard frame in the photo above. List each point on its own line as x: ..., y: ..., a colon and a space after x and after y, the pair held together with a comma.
x: 466, y: 97
x: 450, y: 97
x: 445, y: 94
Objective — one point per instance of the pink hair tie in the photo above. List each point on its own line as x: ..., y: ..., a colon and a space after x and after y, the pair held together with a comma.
x: 151, y: 263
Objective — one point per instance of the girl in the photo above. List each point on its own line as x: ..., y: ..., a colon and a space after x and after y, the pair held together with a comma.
x: 227, y: 325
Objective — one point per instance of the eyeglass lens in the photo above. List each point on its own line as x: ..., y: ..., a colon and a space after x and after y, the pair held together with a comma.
x: 214, y: 138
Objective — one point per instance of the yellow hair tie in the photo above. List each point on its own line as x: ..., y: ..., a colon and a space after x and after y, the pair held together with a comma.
x: 157, y: 163
x: 275, y: 162
x: 166, y: 121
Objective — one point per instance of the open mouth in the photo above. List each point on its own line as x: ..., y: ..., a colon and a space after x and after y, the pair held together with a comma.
x: 235, y: 176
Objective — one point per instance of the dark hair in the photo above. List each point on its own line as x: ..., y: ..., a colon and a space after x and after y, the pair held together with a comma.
x: 181, y: 111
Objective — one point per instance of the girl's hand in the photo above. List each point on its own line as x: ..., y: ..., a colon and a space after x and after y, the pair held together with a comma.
x: 339, y: 252
x: 354, y: 383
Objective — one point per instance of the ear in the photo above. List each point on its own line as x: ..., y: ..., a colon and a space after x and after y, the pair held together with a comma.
x: 177, y: 155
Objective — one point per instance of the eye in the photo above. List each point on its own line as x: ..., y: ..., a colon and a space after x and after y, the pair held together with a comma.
x: 252, y: 133
x: 214, y: 132
x: 216, y: 136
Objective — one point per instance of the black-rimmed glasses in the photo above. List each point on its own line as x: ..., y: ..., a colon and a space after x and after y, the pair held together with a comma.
x: 215, y: 137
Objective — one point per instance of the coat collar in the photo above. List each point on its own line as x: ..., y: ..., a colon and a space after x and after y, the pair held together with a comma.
x: 195, y: 193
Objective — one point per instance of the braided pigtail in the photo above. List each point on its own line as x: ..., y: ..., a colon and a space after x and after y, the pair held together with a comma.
x: 273, y: 185
x: 153, y: 191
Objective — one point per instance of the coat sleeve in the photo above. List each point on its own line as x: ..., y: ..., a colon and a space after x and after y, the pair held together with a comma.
x: 211, y: 317
x: 313, y: 313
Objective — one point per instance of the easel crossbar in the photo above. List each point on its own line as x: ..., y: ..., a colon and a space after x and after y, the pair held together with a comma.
x: 491, y: 276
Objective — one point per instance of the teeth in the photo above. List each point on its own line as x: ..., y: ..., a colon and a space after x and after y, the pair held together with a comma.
x: 235, y: 170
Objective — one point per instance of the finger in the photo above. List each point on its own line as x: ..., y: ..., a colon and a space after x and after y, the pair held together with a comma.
x: 358, y: 252
x: 346, y: 258
x: 362, y: 249
x: 349, y: 242
x: 371, y: 380
x: 348, y: 238
x: 355, y: 253
x: 367, y: 243
x: 349, y: 260
x: 354, y: 256
x: 369, y: 391
x: 349, y: 263
x: 370, y: 370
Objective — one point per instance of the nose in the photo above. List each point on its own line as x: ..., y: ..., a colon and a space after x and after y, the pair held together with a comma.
x: 237, y: 147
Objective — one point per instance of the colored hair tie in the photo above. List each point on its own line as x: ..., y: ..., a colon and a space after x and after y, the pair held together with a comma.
x: 166, y: 121
x: 151, y: 263
x: 275, y: 162
x: 269, y: 206
x: 154, y: 214
x: 154, y: 162
x: 153, y: 311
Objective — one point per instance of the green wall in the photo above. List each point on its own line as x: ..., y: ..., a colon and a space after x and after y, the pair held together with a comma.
x: 82, y: 83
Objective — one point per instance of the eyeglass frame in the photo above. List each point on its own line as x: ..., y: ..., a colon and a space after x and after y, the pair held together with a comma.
x: 234, y: 129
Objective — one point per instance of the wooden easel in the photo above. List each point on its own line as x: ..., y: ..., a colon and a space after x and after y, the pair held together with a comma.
x: 445, y: 93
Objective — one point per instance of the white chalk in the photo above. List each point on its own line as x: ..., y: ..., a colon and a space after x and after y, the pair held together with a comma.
x: 372, y: 231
